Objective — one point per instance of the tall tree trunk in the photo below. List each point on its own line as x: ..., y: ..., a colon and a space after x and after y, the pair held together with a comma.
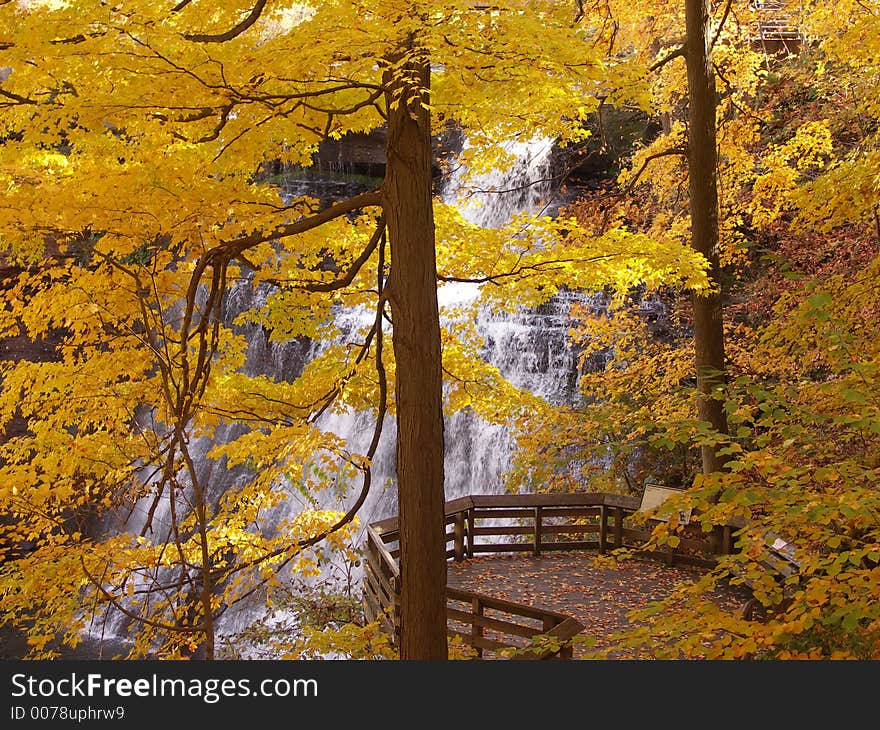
x: 702, y: 158
x: 412, y: 291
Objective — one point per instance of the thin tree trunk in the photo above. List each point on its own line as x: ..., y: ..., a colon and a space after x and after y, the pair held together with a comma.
x: 412, y: 291
x: 702, y: 158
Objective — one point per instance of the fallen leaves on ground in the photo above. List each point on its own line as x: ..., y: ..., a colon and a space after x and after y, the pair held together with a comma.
x: 598, y: 593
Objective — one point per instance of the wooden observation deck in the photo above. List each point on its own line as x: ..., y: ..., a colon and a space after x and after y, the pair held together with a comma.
x: 532, y: 525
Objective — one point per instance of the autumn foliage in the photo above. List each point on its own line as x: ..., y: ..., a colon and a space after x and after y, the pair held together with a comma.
x: 135, y: 142
x: 801, y: 237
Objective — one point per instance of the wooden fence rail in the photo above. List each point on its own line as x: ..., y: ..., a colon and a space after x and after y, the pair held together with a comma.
x: 533, y: 523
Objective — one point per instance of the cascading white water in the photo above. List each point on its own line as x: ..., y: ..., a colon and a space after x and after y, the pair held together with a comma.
x: 529, y: 347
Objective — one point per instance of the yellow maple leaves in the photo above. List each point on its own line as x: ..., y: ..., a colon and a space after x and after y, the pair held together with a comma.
x: 135, y: 196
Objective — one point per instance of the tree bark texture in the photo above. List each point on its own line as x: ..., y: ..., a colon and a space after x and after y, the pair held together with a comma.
x: 703, y: 188
x: 412, y: 292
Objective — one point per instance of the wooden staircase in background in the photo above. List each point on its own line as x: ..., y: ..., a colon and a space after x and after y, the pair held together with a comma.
x: 778, y: 25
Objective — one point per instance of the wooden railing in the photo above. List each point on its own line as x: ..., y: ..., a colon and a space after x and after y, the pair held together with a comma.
x: 534, y: 523
x: 504, y: 628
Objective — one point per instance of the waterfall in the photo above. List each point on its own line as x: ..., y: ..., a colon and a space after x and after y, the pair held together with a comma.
x: 530, y: 348
x: 491, y: 199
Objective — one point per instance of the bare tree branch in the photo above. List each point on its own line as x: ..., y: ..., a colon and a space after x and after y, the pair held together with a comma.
x: 520, y: 270
x: 721, y: 24
x: 237, y: 246
x: 233, y: 32
x: 16, y: 98
x: 382, y: 408
x: 679, y: 52
x: 649, y: 159
x: 115, y: 602
x: 336, y: 284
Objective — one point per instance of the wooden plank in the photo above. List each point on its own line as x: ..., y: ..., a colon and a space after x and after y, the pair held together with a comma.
x: 480, y: 642
x: 505, y: 530
x: 476, y: 628
x: 618, y: 527
x: 373, y: 589
x: 726, y: 540
x: 537, y: 538
x: 498, y: 548
x: 382, y: 526
x: 380, y: 612
x: 371, y: 609
x: 387, y: 556
x: 544, y: 500
x: 458, y: 538
x: 564, y: 631
x: 572, y: 511
x: 488, y: 622
x: 516, y: 609
x: 506, y: 513
x: 462, y: 504
x: 618, y: 500
x: 470, y: 533
x: 381, y: 560
x: 574, y: 529
x: 376, y: 575
x: 381, y: 615
x: 570, y: 545
x: 388, y: 528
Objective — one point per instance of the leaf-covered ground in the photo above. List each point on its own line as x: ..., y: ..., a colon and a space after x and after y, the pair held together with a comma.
x: 598, y: 593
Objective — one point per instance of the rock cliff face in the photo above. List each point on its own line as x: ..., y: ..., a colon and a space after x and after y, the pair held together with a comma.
x: 614, y: 134
x: 362, y: 155
x: 359, y: 154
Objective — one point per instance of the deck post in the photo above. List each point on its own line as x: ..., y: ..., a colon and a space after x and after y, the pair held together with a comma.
x: 603, y: 529
x: 394, y: 611
x: 476, y: 629
x: 458, y: 538
x: 618, y: 527
x: 470, y: 532
x: 726, y: 542
x: 537, y: 547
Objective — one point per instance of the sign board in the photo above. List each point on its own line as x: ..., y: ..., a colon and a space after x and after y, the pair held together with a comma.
x: 655, y: 495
